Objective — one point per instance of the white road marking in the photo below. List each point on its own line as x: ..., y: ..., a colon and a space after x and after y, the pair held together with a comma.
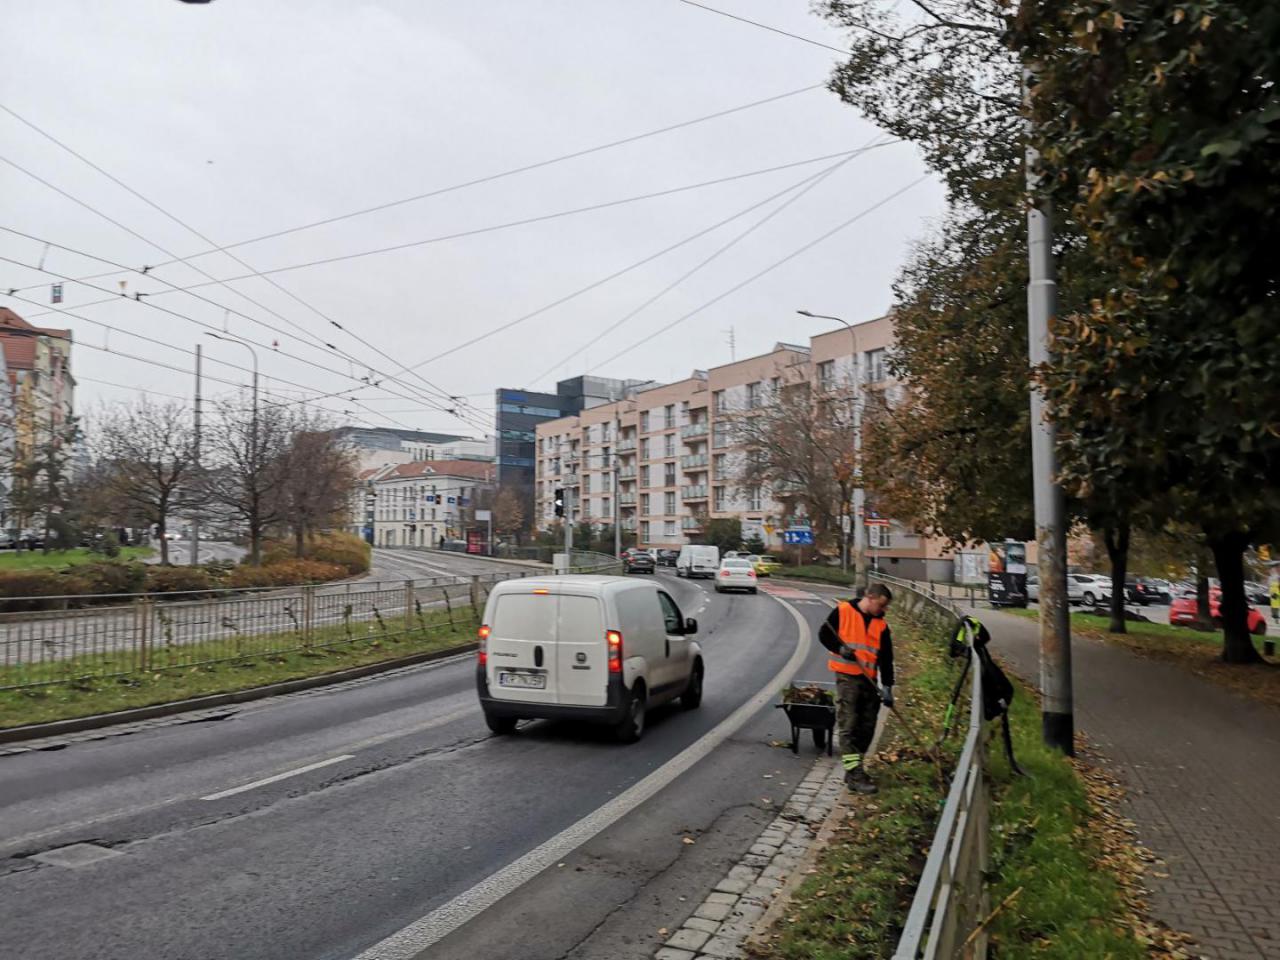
x: 439, y: 923
x: 279, y: 776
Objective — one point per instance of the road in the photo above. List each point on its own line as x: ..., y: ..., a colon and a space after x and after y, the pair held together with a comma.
x: 180, y: 552
x: 320, y: 825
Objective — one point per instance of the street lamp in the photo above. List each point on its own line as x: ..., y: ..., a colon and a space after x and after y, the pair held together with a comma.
x: 253, y: 425
x: 858, y: 494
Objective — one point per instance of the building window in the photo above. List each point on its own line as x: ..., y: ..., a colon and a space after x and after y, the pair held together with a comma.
x: 669, y: 475
x: 755, y: 396
x: 644, y: 448
x: 753, y: 499
x: 720, y: 464
x: 669, y: 503
x: 586, y: 483
x: 644, y: 476
x: 719, y: 434
x: 669, y: 445
x: 720, y: 498
x: 644, y: 504
x: 669, y: 416
x: 775, y: 385
x: 644, y: 421
x: 827, y: 374
x: 879, y: 537
x: 877, y: 369
x: 604, y: 508
x: 644, y: 531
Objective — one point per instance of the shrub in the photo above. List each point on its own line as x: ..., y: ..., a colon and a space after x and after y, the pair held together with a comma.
x: 111, y: 577
x: 177, y: 580
x: 35, y: 584
x: 218, y: 570
x: 108, y: 545
x: 285, y: 573
x: 344, y: 549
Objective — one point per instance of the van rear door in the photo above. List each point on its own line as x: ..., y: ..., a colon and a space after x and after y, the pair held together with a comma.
x: 522, y: 648
x: 582, y: 658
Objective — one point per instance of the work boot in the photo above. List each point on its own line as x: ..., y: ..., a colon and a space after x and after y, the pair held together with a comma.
x: 858, y: 782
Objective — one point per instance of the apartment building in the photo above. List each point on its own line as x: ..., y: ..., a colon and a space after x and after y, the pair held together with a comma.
x: 678, y: 465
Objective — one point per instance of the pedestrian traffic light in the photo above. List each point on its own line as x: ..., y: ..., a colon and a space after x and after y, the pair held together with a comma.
x: 559, y: 501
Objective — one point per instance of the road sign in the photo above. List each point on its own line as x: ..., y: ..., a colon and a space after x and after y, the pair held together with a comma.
x: 798, y: 537
x: 483, y: 515
x: 845, y: 523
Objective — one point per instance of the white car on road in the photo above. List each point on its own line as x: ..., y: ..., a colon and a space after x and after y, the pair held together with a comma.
x: 598, y: 649
x: 736, y: 574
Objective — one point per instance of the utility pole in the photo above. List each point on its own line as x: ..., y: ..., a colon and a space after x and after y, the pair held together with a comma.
x: 195, y: 516
x: 617, y: 483
x: 1057, y: 712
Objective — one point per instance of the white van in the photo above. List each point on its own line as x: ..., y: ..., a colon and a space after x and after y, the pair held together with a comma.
x: 601, y: 649
x: 698, y: 560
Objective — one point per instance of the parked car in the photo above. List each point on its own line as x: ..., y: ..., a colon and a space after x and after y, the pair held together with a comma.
x: 1094, y: 589
x: 1136, y: 592
x: 736, y: 573
x: 1033, y: 588
x: 598, y: 649
x: 1256, y: 592
x: 698, y: 560
x: 1183, y: 611
x: 667, y: 558
x: 638, y: 561
x: 1157, y: 591
x: 766, y: 566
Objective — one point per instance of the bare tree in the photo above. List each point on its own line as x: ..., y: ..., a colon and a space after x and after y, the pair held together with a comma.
x: 147, y: 455
x: 799, y: 444
x: 37, y: 457
x: 319, y: 478
x: 508, y: 513
x: 248, y: 464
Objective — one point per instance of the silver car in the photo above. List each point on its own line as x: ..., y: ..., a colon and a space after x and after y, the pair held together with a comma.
x: 736, y: 574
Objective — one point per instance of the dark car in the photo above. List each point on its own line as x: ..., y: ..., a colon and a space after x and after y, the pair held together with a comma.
x: 667, y: 558
x: 1157, y: 591
x: 1135, y: 591
x: 638, y: 561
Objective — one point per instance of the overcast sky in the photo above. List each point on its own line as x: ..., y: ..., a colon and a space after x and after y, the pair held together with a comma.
x: 244, y: 118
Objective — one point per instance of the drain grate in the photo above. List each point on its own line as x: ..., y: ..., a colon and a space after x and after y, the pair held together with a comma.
x: 75, y: 855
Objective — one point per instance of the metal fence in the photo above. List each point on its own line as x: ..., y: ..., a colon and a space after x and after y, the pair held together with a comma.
x: 951, y: 897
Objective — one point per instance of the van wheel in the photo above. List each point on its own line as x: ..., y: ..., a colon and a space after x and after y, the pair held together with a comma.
x: 631, y: 728
x: 500, y: 726
x: 691, y: 699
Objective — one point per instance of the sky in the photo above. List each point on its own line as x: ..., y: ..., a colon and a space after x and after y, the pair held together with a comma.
x: 242, y: 119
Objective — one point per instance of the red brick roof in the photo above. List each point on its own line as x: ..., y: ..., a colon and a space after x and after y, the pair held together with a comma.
x: 11, y: 322
x: 464, y: 469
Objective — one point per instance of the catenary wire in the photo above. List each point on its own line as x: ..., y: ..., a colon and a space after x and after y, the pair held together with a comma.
x: 765, y: 26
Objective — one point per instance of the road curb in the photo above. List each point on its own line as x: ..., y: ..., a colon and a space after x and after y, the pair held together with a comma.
x: 97, y: 721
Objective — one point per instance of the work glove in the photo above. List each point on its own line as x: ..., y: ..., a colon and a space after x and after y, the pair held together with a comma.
x: 847, y: 652
x: 886, y: 696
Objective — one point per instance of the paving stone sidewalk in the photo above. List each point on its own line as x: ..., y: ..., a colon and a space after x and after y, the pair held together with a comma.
x: 1202, y: 769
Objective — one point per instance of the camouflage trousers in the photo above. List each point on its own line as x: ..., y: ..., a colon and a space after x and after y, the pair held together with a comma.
x: 857, y: 708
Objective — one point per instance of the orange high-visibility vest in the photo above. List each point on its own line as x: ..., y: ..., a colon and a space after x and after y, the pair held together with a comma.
x: 864, y: 640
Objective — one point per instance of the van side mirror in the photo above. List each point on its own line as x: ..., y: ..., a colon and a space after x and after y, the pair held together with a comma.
x: 690, y: 625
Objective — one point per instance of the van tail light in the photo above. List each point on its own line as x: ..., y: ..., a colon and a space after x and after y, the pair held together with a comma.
x: 615, y: 651
x: 482, y: 635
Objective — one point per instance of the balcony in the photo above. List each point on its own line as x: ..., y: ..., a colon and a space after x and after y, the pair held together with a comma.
x: 698, y: 492
x: 695, y: 461
x: 626, y: 473
x: 692, y: 430
x: 691, y: 523
x: 626, y: 499
x: 626, y: 446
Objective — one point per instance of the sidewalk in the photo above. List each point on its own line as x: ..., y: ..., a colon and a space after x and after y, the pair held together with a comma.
x: 1202, y: 768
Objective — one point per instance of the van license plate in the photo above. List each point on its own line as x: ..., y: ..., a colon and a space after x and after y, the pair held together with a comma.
x: 531, y: 681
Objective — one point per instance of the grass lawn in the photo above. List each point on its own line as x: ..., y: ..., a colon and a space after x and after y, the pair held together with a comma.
x: 56, y: 560
x: 172, y: 678
x: 1194, y: 650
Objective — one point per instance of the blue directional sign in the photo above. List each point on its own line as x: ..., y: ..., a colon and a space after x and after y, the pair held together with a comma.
x: 798, y: 537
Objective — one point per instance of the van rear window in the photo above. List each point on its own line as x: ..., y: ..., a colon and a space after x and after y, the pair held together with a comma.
x: 580, y: 620
x: 525, y: 616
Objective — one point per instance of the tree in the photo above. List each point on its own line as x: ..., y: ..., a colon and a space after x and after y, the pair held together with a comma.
x: 800, y: 445
x: 248, y: 463
x: 147, y: 453
x: 40, y: 465
x: 723, y: 533
x: 508, y: 513
x: 1159, y: 129
x: 319, y: 479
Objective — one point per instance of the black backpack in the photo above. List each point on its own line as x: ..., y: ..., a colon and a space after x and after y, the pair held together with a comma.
x: 997, y: 689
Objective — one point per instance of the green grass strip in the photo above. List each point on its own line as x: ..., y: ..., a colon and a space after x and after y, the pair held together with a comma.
x: 57, y: 560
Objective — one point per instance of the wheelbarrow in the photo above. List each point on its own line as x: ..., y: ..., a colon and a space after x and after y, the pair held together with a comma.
x: 818, y: 718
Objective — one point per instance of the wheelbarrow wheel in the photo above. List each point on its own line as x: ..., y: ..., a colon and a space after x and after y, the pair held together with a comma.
x: 795, y: 740
x: 820, y: 738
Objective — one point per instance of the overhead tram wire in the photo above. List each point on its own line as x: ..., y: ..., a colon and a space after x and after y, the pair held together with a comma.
x: 145, y: 300
x: 765, y: 26
x: 189, y: 228
x: 808, y: 185
x: 490, y: 178
x: 636, y: 265
x: 769, y: 269
x: 183, y: 350
x: 324, y: 346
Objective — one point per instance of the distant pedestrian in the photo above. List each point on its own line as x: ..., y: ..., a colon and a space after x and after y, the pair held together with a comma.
x: 858, y: 636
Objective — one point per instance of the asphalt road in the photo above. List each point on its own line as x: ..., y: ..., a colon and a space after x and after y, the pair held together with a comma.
x: 180, y: 552
x: 396, y: 815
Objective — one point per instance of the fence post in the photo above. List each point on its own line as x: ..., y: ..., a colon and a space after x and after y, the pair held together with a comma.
x: 408, y: 606
x: 308, y: 614
x: 475, y: 597
x: 142, y: 628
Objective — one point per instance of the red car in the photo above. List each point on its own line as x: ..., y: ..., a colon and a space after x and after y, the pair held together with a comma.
x: 1183, y: 611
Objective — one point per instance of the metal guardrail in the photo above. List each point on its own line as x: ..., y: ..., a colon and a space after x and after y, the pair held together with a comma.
x: 141, y: 633
x: 951, y: 898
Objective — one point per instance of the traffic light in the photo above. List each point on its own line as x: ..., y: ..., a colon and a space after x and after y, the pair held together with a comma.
x: 559, y: 501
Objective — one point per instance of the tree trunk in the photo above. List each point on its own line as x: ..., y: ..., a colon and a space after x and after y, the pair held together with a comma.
x: 1203, y: 614
x: 164, y: 543
x: 1228, y: 557
x: 299, y: 539
x: 1117, y: 541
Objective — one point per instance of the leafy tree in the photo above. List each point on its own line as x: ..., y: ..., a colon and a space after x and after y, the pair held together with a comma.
x: 1159, y: 126
x: 40, y: 465
x: 724, y: 533
x: 319, y: 478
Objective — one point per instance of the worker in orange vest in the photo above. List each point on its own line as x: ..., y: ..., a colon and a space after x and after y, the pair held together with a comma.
x: 862, y: 659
